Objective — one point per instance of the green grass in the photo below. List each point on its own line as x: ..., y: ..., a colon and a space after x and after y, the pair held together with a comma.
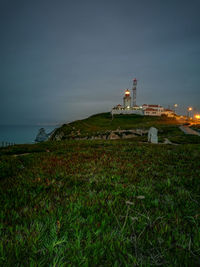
x: 185, y: 139
x: 100, y: 203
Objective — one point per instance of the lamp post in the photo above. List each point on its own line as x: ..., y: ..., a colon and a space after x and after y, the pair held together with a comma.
x: 188, y: 111
x: 175, y: 106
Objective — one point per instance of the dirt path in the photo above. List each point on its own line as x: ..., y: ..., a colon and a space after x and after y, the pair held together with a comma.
x: 188, y: 130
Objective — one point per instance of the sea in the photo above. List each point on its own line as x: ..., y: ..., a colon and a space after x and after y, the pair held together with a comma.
x: 21, y: 134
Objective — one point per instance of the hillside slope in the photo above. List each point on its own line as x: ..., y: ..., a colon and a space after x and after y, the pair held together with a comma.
x: 103, y: 122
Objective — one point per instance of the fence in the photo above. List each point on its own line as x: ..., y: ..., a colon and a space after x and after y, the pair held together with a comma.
x: 5, y: 144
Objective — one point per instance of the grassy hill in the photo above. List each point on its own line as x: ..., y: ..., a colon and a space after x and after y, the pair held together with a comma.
x: 103, y: 122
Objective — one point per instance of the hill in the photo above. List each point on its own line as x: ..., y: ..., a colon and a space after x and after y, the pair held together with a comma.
x: 103, y: 123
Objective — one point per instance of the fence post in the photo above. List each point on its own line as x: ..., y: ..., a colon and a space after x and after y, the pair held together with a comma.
x: 5, y: 144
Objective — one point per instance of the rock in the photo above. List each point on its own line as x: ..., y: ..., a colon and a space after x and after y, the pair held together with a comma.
x: 113, y: 136
x: 167, y: 141
x: 127, y: 136
x: 153, y: 135
x: 140, y: 197
x: 142, y: 132
x: 97, y: 138
x: 41, y: 136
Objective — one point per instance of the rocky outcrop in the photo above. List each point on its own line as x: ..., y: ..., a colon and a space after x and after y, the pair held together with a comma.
x: 125, y: 136
x: 41, y: 136
x: 109, y: 135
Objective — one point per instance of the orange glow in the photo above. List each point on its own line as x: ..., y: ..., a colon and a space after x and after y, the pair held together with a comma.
x: 197, y: 116
x: 190, y: 108
x: 127, y: 92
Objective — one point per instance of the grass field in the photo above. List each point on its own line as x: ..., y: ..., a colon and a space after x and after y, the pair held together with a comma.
x: 100, y: 203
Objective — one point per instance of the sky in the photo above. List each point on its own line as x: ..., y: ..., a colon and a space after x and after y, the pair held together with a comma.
x: 62, y: 60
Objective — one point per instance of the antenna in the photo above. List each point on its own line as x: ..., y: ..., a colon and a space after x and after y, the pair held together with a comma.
x: 134, y: 91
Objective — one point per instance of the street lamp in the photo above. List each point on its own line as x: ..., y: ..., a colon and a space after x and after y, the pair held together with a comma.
x: 175, y: 106
x: 189, y: 109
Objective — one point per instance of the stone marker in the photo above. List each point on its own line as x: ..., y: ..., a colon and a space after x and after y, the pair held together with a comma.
x: 153, y: 135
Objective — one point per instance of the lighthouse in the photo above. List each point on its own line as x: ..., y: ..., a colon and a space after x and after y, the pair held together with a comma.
x: 134, y: 91
x: 127, y: 99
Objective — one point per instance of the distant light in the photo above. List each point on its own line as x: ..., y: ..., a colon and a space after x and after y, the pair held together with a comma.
x: 190, y: 109
x: 175, y: 105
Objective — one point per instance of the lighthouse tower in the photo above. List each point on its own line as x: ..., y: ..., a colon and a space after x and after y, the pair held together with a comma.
x: 127, y: 99
x: 134, y: 91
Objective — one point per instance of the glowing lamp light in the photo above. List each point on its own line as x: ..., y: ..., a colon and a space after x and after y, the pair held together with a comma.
x: 127, y: 92
x: 190, y: 109
x: 197, y: 116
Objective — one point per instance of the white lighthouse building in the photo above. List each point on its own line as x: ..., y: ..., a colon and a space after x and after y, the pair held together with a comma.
x: 128, y: 107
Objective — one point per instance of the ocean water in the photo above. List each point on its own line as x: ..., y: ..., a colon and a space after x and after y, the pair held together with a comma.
x: 21, y: 134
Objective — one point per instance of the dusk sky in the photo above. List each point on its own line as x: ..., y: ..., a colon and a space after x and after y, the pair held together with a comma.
x: 64, y: 60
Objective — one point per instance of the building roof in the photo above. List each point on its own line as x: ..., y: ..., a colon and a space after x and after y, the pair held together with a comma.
x: 151, y: 109
x: 155, y: 106
x: 166, y: 109
x: 152, y: 106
